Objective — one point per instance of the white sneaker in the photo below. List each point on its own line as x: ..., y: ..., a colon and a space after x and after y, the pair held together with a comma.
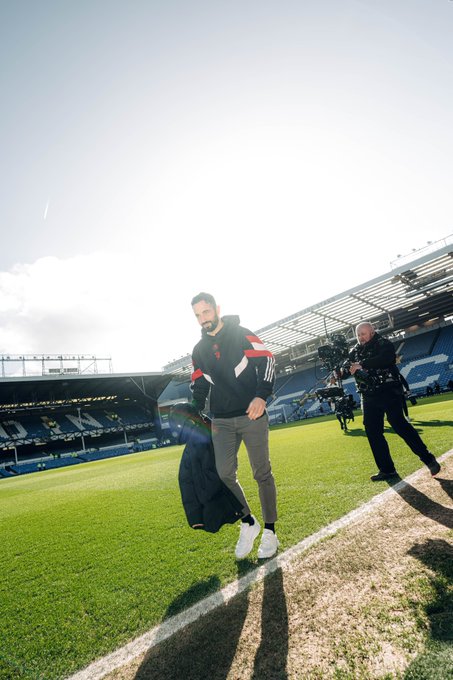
x: 269, y: 544
x: 247, y: 535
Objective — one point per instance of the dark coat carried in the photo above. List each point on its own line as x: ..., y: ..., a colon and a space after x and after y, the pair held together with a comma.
x: 206, y: 499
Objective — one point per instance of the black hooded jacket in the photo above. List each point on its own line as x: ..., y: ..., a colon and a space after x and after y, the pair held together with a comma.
x: 235, y: 365
x: 205, y: 498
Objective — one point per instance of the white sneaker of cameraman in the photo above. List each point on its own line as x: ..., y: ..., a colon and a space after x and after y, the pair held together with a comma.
x: 269, y: 544
x: 247, y: 535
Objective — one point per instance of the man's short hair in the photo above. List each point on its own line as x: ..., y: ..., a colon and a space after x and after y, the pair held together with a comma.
x: 364, y: 323
x: 206, y: 297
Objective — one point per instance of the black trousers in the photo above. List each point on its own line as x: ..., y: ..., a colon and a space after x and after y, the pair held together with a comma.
x: 375, y: 407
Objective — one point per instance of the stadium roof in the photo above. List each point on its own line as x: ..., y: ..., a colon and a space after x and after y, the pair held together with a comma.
x: 17, y: 392
x: 415, y: 294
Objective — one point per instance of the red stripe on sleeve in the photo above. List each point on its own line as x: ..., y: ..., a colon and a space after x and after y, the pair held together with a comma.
x: 257, y: 353
x: 254, y: 338
x: 197, y: 374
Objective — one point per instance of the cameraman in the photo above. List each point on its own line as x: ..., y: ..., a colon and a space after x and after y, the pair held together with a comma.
x: 373, y: 364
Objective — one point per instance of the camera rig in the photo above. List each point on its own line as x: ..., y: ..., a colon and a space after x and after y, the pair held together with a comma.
x: 335, y: 357
x: 329, y: 392
x: 334, y: 354
x: 332, y: 357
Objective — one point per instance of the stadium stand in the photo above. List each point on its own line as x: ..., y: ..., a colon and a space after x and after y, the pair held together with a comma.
x: 105, y: 453
x: 295, y: 399
x: 418, y: 346
x: 66, y: 420
x: 444, y: 342
x: 37, y: 428
x: 434, y: 366
x: 26, y: 468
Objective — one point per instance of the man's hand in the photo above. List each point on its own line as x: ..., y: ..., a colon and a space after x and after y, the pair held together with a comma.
x: 354, y: 367
x: 256, y: 408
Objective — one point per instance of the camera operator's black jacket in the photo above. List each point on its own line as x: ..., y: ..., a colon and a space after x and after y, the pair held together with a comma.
x: 206, y: 499
x: 378, y: 359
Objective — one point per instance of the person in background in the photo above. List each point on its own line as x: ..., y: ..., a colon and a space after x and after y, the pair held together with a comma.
x: 373, y: 364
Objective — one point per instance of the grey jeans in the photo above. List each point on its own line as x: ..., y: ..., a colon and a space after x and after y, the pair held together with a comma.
x: 227, y: 435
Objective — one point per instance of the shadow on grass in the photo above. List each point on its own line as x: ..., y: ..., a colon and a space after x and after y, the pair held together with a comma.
x: 436, y: 661
x: 203, y: 649
x: 270, y: 659
x: 208, y: 647
x: 358, y: 431
x: 422, y: 503
x: 353, y: 432
x: 431, y: 423
x: 194, y: 594
x: 447, y: 485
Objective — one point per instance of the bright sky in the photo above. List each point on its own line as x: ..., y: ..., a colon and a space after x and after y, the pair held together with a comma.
x: 271, y: 153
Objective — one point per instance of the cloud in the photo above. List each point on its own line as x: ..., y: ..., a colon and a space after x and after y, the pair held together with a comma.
x: 103, y: 303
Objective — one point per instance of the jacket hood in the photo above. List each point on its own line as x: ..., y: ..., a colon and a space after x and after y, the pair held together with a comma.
x: 231, y: 320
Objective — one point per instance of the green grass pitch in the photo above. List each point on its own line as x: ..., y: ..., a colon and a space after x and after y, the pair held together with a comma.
x: 94, y: 555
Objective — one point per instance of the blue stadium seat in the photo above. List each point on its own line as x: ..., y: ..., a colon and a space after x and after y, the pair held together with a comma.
x: 418, y: 346
x: 105, y: 453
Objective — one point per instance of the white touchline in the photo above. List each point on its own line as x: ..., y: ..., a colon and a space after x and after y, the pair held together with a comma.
x: 100, y: 668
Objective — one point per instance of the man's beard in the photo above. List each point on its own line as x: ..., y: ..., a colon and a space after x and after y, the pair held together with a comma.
x: 210, y: 326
